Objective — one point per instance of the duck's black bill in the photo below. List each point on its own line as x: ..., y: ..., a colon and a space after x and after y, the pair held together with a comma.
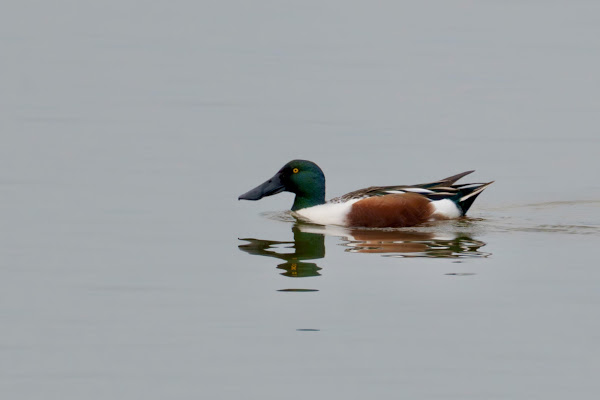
x: 269, y: 188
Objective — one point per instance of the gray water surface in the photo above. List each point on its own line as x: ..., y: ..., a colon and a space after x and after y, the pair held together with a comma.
x: 128, y: 269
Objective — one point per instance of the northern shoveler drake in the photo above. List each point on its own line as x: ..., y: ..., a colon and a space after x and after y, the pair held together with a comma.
x: 373, y: 207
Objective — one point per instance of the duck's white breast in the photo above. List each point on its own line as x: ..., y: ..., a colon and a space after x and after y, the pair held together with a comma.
x: 327, y: 214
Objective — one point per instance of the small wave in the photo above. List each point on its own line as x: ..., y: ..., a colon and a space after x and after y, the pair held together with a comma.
x: 568, y: 229
x: 281, y: 216
x: 546, y: 205
x: 564, y: 203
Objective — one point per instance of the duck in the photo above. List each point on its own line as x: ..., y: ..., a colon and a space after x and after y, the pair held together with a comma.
x: 395, y: 206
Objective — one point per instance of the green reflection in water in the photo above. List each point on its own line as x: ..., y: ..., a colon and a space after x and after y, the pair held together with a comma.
x: 306, y: 246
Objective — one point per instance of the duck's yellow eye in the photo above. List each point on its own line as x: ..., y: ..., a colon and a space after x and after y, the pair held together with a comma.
x: 295, y: 170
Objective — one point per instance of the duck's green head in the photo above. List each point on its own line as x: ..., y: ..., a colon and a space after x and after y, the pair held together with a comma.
x: 304, y: 178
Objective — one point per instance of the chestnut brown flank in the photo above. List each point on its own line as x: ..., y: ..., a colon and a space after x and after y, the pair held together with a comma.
x: 392, y: 210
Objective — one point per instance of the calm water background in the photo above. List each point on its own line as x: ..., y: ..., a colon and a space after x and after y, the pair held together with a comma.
x: 128, y: 130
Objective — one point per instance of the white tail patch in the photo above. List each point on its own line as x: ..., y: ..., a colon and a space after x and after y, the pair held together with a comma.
x: 445, y: 209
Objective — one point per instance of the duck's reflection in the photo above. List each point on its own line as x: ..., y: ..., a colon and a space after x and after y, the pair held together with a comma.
x: 415, y: 244
x: 309, y: 244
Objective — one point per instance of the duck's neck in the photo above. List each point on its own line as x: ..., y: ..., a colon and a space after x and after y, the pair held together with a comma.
x: 309, y: 199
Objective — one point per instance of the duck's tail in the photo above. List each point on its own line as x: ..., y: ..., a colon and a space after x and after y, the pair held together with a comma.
x: 467, y: 194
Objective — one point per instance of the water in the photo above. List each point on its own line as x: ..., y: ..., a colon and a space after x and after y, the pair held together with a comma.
x: 129, y: 269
